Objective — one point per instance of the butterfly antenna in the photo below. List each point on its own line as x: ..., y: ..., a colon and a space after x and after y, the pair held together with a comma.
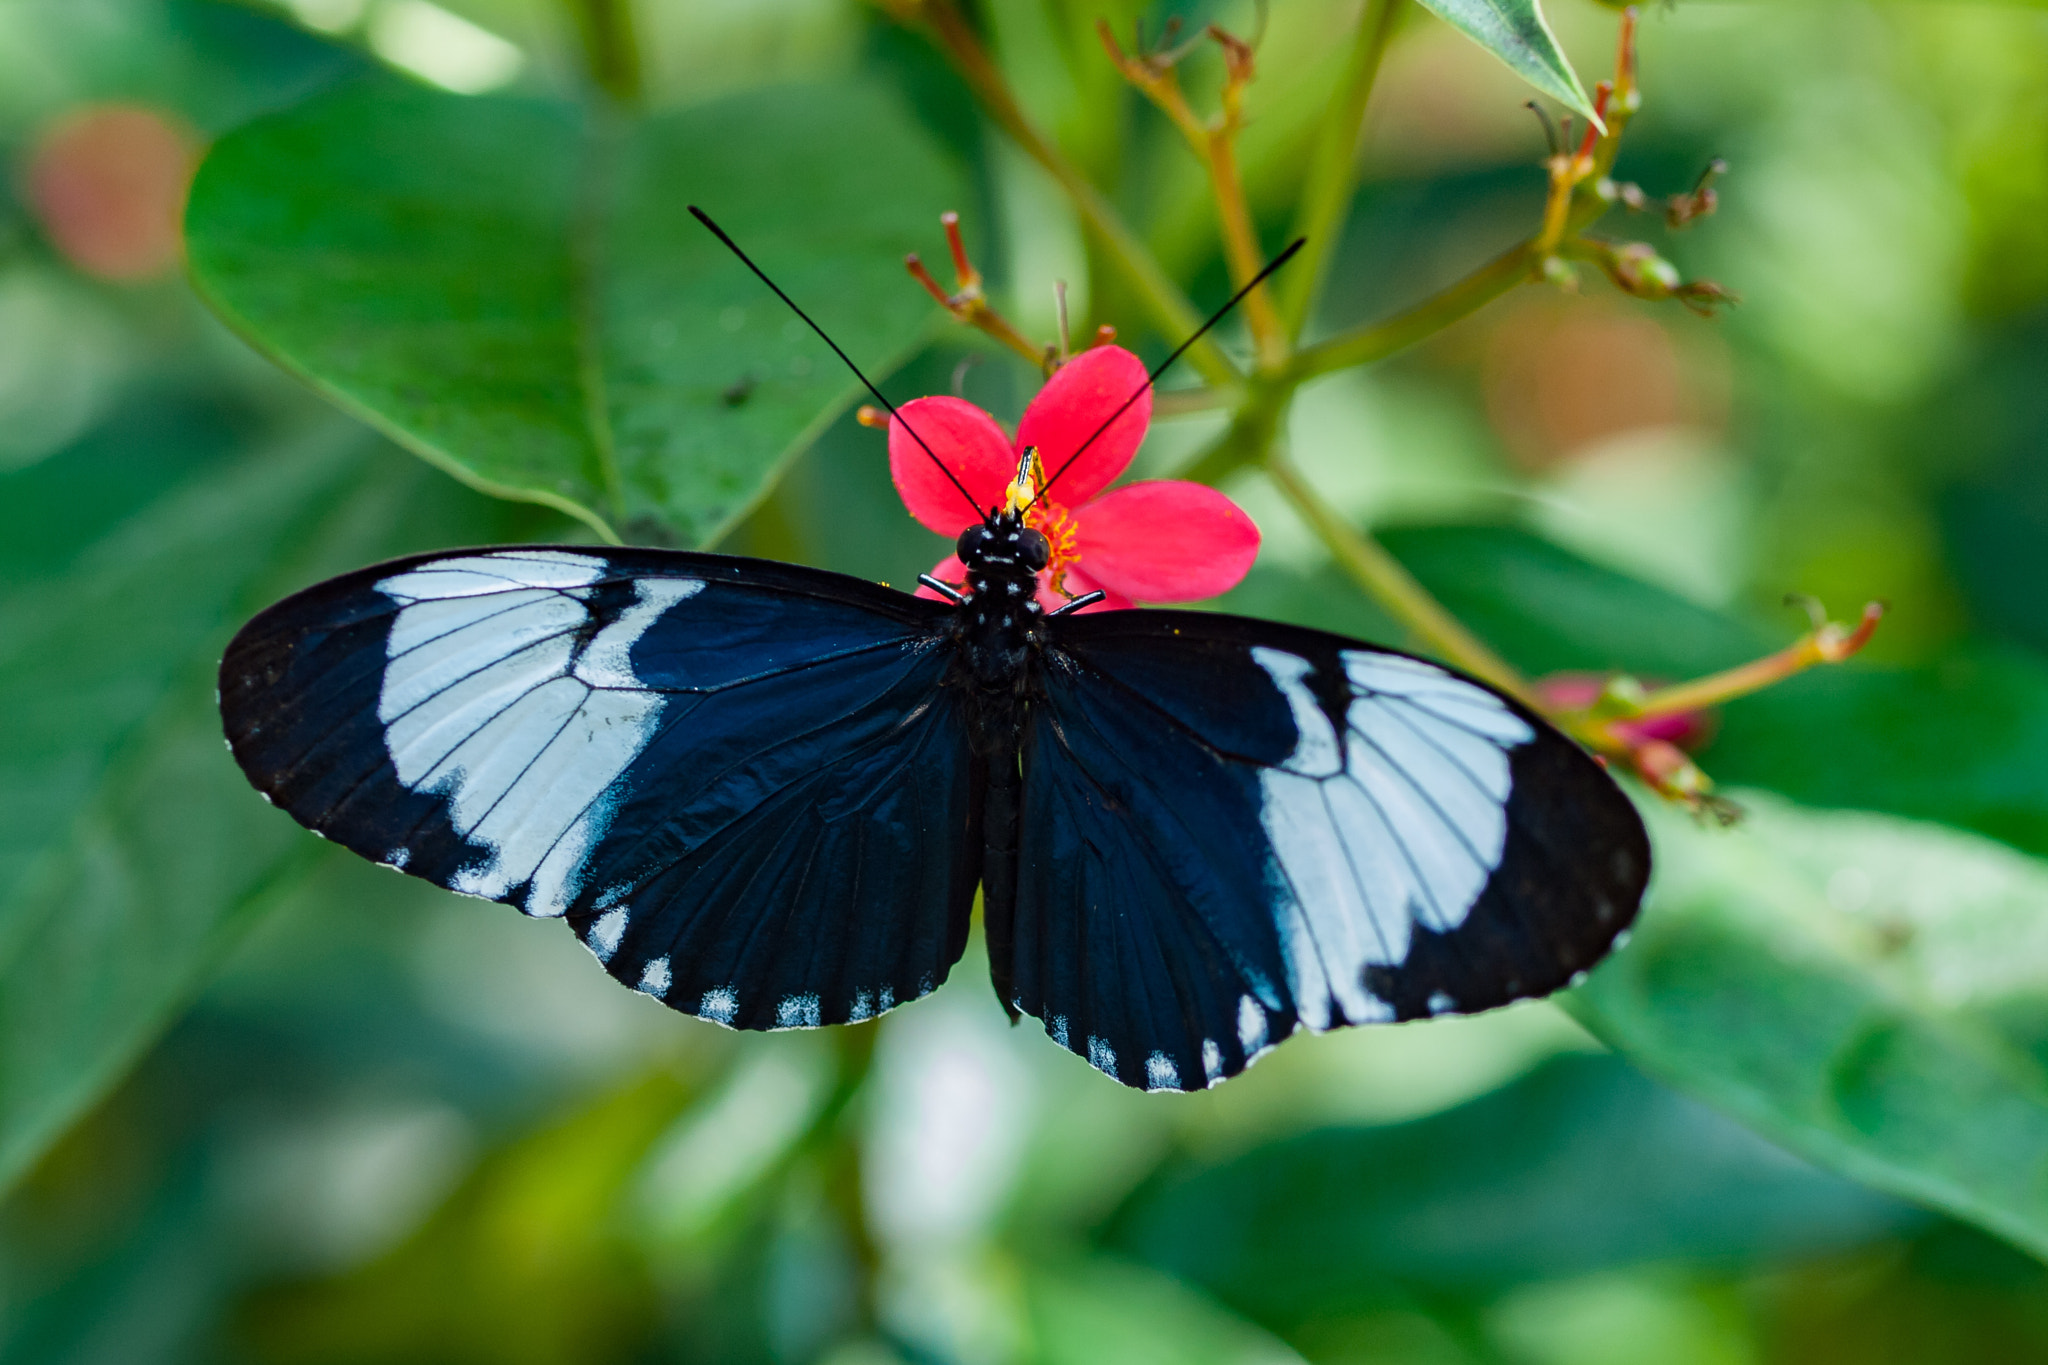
x: 1282, y: 259
x: 748, y: 261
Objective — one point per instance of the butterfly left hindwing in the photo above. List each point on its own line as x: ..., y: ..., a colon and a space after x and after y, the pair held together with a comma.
x: 1233, y: 829
x: 740, y: 781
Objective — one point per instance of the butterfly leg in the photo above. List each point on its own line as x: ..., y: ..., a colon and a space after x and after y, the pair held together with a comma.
x: 1086, y: 599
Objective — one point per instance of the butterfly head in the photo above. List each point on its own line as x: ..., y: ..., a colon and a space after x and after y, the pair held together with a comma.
x: 1003, y: 546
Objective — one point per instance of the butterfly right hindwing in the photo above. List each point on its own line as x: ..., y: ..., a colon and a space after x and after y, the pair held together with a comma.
x: 1233, y: 829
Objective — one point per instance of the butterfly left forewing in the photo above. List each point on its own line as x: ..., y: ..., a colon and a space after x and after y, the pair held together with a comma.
x: 1234, y: 828
x: 741, y: 782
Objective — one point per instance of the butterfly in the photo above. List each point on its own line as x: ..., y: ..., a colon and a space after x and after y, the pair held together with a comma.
x: 767, y: 795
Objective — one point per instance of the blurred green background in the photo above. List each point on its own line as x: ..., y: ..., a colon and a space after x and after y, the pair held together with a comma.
x: 261, y: 1103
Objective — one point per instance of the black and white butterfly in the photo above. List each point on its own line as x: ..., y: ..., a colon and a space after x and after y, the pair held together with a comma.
x: 767, y: 795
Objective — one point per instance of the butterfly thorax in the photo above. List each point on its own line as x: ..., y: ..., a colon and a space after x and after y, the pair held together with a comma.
x: 1001, y: 626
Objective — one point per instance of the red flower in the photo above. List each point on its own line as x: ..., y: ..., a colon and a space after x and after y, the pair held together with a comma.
x: 1162, y: 540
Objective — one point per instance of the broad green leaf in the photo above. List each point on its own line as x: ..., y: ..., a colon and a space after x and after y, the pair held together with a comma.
x: 1516, y: 32
x: 1870, y: 991
x: 1963, y: 740
x: 1550, y: 611
x: 515, y: 290
x: 1108, y: 1312
x: 131, y: 850
x: 1583, y: 1165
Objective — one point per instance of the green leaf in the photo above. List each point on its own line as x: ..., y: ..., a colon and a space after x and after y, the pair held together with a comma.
x: 1516, y: 32
x: 1963, y: 740
x: 1550, y: 611
x: 515, y: 290
x: 132, y: 853
x: 1101, y: 1311
x: 1870, y: 991
x: 1583, y: 1165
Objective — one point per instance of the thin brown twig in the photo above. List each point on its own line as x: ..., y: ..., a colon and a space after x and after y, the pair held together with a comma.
x: 1214, y: 143
x: 969, y: 304
x: 1827, y: 643
x: 1170, y: 308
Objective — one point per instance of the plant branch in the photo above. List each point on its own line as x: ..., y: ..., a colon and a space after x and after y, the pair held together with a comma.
x: 1214, y: 144
x: 1377, y: 341
x: 1170, y: 403
x: 1240, y: 236
x: 1826, y: 643
x: 1170, y: 308
x: 969, y: 304
x: 1580, y: 194
x: 1254, y: 426
x: 1637, y: 270
x: 1387, y: 582
x: 1333, y: 166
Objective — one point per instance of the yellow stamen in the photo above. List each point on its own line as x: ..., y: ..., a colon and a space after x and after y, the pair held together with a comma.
x: 1025, y: 488
x: 1053, y: 522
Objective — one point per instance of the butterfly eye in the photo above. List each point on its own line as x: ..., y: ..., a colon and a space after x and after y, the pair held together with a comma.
x: 973, y: 541
x: 1032, y: 549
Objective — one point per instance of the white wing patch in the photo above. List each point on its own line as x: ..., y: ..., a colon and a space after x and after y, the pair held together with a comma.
x: 485, y: 702
x: 1405, y: 829
x: 797, y: 1011
x: 606, y: 933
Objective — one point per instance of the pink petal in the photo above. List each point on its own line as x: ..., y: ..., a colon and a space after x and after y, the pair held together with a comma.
x: 970, y: 443
x: 1074, y: 403
x: 1166, y: 540
x: 1080, y: 585
x: 947, y: 570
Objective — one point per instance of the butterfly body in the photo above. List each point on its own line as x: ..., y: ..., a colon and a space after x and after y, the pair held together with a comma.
x: 768, y: 795
x: 1001, y: 634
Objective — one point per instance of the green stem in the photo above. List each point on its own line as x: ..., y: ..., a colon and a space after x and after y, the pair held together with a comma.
x: 1168, y: 404
x: 1363, y: 345
x: 1385, y: 580
x: 611, y: 46
x: 1519, y: 263
x: 1253, y: 427
x: 1333, y: 167
x: 1171, y: 310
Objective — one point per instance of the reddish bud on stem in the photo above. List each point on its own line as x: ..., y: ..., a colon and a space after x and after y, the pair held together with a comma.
x: 924, y: 277
x: 962, y: 267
